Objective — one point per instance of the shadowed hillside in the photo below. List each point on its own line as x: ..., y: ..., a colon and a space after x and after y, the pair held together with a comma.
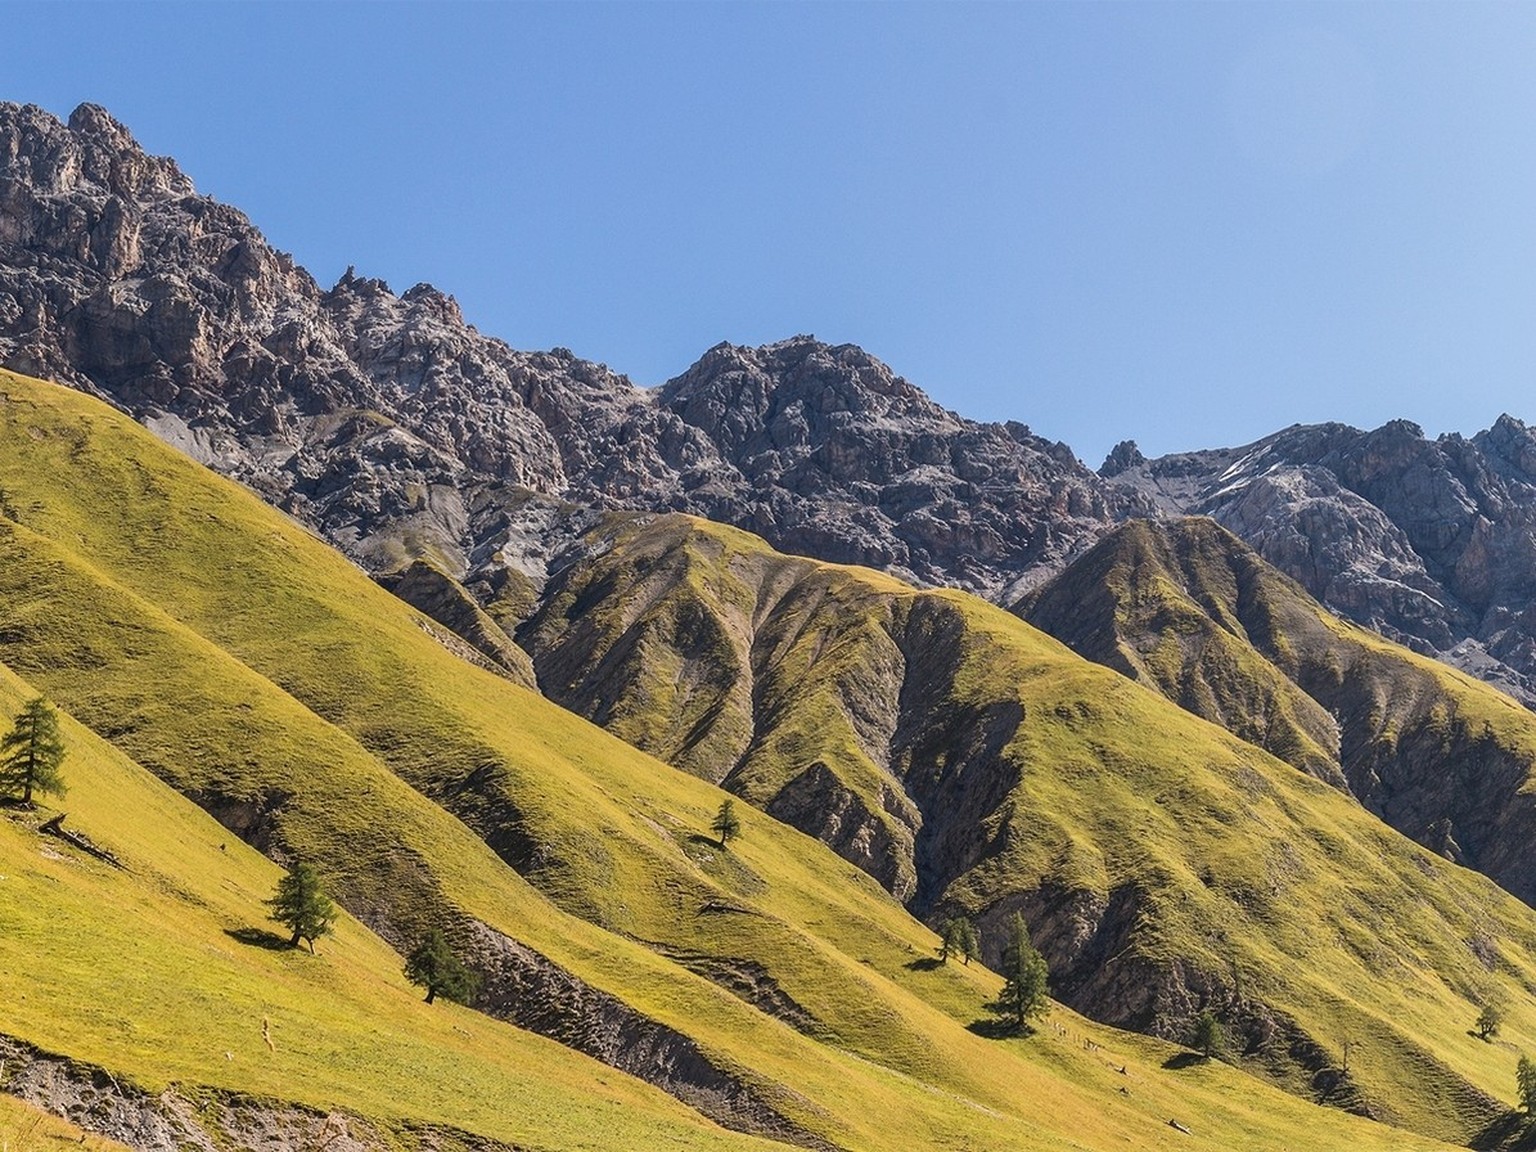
x: 1191, y: 611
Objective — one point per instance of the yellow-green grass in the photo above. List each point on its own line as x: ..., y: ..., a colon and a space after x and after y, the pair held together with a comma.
x: 136, y: 971
x: 24, y: 1128
x: 99, y: 640
x: 1279, y: 888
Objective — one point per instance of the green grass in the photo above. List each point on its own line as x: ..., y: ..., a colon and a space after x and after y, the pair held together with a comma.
x: 24, y: 1128
x: 1251, y: 878
x: 229, y: 652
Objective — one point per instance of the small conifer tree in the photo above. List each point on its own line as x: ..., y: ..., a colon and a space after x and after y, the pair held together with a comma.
x: 302, y: 905
x: 957, y: 937
x: 1025, y: 977
x: 1207, y: 1036
x: 970, y: 942
x: 32, y: 752
x: 726, y: 823
x: 434, y: 967
x: 1525, y: 1081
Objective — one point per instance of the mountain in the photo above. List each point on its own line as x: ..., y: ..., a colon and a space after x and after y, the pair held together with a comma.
x: 973, y: 765
x: 1431, y: 543
x: 537, y: 517
x: 403, y: 434
x: 400, y: 431
x: 238, y: 695
x: 1187, y: 608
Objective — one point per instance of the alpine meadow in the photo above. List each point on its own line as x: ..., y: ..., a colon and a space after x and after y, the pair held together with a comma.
x: 411, y: 743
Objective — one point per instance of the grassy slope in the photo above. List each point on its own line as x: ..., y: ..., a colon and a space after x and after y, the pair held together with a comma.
x: 369, y: 691
x: 1131, y: 605
x: 1255, y: 886
x: 1191, y: 611
x: 136, y: 971
x: 139, y: 973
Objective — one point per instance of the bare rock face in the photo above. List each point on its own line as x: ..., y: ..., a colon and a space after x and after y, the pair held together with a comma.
x: 1432, y: 543
x: 831, y: 455
x: 400, y: 431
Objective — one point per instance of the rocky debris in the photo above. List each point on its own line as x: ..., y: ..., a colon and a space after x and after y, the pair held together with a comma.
x: 529, y: 990
x: 203, y: 1119
x: 425, y: 586
x: 1432, y: 543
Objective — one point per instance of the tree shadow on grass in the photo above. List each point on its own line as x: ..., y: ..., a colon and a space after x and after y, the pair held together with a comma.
x: 925, y: 964
x: 994, y: 1029
x: 1181, y: 1060
x: 259, y: 938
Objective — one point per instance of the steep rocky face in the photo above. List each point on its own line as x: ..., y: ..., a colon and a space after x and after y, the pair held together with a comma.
x: 1430, y: 542
x: 833, y: 456
x: 1187, y: 608
x: 400, y: 431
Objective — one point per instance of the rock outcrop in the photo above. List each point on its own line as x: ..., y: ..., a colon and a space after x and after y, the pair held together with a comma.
x: 1431, y: 543
x: 400, y: 431
x: 197, y: 1118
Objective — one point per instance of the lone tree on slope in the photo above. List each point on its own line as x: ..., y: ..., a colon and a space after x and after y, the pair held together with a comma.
x: 303, y: 906
x: 726, y: 824
x: 1525, y: 1081
x: 32, y: 752
x: 1489, y: 1020
x: 1024, y: 978
x: 434, y: 967
x: 1207, y: 1036
x: 958, y: 938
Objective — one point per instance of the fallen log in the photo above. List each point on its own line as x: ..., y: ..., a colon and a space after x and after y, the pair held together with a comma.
x: 55, y: 827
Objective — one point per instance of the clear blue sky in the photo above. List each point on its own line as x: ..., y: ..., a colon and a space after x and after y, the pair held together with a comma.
x: 1189, y: 225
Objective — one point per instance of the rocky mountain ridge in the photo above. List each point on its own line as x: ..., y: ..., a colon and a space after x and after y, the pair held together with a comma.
x: 1431, y: 543
x: 400, y: 432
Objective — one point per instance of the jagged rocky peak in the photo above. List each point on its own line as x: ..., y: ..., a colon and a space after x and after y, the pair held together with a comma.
x: 1122, y: 456
x: 92, y: 151
x: 1430, y: 542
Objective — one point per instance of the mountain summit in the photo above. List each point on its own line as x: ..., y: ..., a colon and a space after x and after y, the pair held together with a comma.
x: 395, y: 428
x: 402, y: 433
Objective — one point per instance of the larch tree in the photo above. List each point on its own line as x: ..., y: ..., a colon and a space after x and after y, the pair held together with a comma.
x: 1025, y: 978
x: 958, y: 938
x: 1207, y: 1036
x: 32, y: 752
x: 302, y: 906
x: 726, y: 824
x: 433, y: 966
x: 1525, y: 1081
